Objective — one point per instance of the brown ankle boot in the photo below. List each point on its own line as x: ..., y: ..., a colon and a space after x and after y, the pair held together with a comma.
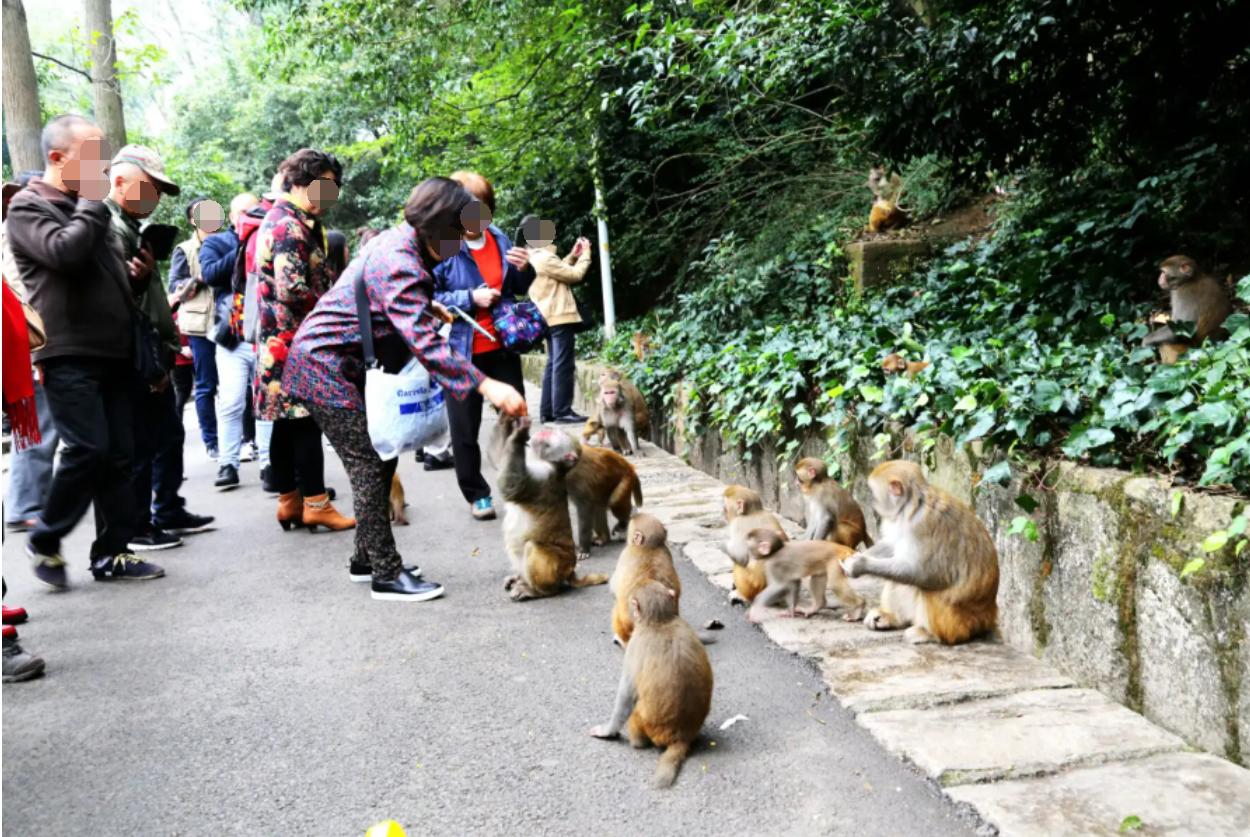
x: 290, y: 510
x: 319, y: 511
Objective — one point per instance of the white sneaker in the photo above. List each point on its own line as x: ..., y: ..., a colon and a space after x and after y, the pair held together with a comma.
x: 248, y: 453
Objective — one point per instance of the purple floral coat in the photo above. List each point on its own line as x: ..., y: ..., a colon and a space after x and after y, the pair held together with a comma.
x: 293, y: 274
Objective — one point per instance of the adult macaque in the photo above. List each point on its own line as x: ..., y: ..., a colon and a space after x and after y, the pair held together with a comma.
x: 600, y: 481
x: 787, y: 563
x: 397, y: 502
x: 937, y: 557
x: 885, y: 214
x: 642, y: 344
x: 537, y: 532
x: 1197, y: 298
x: 894, y: 364
x: 645, y: 559
x: 744, y: 511
x: 830, y: 510
x: 666, y: 682
x: 622, y: 411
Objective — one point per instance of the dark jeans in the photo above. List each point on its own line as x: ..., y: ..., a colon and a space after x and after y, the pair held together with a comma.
x: 157, y: 472
x: 296, y: 449
x: 465, y: 419
x: 91, y: 402
x: 204, y: 351
x: 557, y: 398
x: 183, y: 378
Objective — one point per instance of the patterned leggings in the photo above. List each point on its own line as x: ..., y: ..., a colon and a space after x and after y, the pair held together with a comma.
x: 370, y: 477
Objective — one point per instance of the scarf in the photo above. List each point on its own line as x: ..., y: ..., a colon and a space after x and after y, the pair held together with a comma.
x: 19, y: 386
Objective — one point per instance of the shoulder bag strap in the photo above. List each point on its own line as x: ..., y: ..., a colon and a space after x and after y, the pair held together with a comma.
x: 365, y: 320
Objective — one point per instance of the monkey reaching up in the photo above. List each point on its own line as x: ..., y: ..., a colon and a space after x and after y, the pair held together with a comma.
x: 622, y: 412
x: 787, y: 563
x: 537, y: 532
x: 665, y: 690
x: 1196, y: 298
x: 645, y: 559
x: 937, y: 557
x: 744, y: 511
x: 886, y: 192
x: 831, y: 511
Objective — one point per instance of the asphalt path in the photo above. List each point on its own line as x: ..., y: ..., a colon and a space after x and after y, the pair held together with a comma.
x: 255, y: 691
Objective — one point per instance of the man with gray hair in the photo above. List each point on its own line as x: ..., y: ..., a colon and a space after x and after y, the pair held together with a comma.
x: 59, y: 231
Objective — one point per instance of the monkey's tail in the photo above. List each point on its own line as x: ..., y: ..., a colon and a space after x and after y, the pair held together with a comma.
x: 670, y: 763
x: 588, y: 580
x: 637, y: 492
x: 867, y: 541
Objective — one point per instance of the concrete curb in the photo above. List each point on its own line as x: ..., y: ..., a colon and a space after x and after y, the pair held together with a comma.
x: 994, y: 727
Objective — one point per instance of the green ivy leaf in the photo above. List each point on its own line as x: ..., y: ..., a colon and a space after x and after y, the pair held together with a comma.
x: 1130, y: 823
x: 1024, y: 526
x: 1192, y: 567
x: 1026, y: 502
x: 1215, y: 541
x: 1178, y: 498
x: 999, y: 474
x: 968, y: 402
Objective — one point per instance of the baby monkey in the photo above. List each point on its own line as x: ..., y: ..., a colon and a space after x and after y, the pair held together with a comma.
x: 787, y: 563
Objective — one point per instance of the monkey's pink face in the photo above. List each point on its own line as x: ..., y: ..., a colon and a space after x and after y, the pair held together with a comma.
x: 611, y: 397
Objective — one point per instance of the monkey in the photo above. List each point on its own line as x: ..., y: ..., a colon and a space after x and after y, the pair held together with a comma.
x: 831, y: 511
x: 744, y: 511
x: 787, y: 563
x: 886, y: 214
x: 894, y: 364
x: 398, y: 503
x: 1196, y: 297
x: 645, y: 559
x: 665, y: 690
x: 593, y: 429
x: 622, y: 411
x: 601, y: 480
x: 937, y: 557
x: 538, y: 535
x: 641, y: 343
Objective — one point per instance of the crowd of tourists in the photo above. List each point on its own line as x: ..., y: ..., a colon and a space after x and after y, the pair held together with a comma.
x: 258, y: 325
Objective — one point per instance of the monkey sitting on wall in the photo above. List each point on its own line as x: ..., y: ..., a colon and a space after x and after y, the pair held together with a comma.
x: 1196, y: 298
x: 886, y: 192
x: 665, y: 690
x: 645, y: 559
x: 937, y: 557
x: 538, y: 534
x: 622, y: 412
x: 744, y: 511
x: 830, y: 510
x: 787, y: 563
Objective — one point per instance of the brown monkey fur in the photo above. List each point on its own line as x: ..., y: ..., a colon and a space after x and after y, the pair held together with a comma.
x: 830, y: 510
x: 642, y: 343
x: 894, y: 364
x: 744, y: 511
x: 622, y: 411
x: 665, y: 690
x: 645, y: 559
x: 885, y: 214
x: 593, y: 429
x: 538, y: 534
x: 937, y: 557
x: 601, y: 481
x: 1196, y: 297
x: 787, y: 563
x: 397, y: 501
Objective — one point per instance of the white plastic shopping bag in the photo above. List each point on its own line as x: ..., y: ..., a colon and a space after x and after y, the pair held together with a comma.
x: 405, y: 411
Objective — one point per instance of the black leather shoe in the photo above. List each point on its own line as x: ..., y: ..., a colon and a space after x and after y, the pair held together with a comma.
x: 360, y: 573
x: 227, y: 478
x: 439, y: 463
x: 405, y: 588
x: 570, y: 418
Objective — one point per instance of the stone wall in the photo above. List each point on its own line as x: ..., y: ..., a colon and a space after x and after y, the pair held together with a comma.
x: 1099, y: 594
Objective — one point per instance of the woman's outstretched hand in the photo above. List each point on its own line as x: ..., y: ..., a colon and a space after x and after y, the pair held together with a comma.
x: 504, y: 397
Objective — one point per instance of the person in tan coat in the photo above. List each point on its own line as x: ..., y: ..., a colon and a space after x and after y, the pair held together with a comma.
x: 552, y: 292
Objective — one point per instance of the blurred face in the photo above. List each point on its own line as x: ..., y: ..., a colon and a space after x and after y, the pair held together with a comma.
x: 539, y: 232
x: 475, y: 218
x: 207, y: 217
x: 322, y: 194
x: 83, y: 165
x: 134, y: 191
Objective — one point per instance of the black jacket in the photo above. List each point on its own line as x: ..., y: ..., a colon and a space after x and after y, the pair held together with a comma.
x: 75, y: 278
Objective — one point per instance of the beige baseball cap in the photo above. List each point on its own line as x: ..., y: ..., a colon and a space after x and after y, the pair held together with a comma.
x: 151, y: 163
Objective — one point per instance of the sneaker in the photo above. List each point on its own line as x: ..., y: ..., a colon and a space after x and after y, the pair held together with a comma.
x: 185, y: 523
x: 227, y: 478
x: 266, y: 483
x: 570, y: 418
x: 405, y: 588
x: 21, y: 525
x: 212, y: 453
x: 124, y: 567
x: 50, y: 569
x: 483, y: 509
x: 14, y: 615
x: 360, y: 573
x: 18, y: 664
x: 248, y: 452
x: 439, y: 463
x: 153, y: 540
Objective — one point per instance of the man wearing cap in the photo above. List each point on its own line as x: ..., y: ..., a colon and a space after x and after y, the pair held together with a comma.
x: 137, y: 178
x: 59, y: 231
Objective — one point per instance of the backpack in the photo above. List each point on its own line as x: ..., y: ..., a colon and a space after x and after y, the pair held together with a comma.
x: 243, y: 280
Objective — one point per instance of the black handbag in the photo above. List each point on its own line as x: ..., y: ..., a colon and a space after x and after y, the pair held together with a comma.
x: 222, y: 332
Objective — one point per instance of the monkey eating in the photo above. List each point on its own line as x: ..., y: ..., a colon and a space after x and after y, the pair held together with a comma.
x: 787, y: 563
x: 538, y: 534
x: 830, y: 510
x: 602, y: 480
x: 744, y: 511
x: 593, y: 430
x: 937, y: 557
x: 894, y: 364
x: 885, y: 214
x: 622, y: 412
x: 665, y: 690
x: 645, y: 559
x: 1196, y: 298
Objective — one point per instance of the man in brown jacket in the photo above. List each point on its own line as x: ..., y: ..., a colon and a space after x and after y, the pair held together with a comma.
x: 59, y: 231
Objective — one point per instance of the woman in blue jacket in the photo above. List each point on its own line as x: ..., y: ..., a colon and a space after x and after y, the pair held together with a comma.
x: 487, y: 269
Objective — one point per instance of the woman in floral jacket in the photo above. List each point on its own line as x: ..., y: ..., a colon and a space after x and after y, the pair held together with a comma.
x: 293, y: 273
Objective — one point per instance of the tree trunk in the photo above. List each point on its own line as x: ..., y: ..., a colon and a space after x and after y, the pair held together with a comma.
x: 108, y: 92
x: 21, y: 92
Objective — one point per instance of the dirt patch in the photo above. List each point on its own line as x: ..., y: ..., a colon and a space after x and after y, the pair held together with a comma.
x: 971, y: 219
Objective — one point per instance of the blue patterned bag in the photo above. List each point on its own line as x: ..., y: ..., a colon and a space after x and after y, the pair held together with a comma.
x: 520, y: 325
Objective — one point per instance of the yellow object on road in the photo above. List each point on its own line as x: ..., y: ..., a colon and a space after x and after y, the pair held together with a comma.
x: 390, y: 828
